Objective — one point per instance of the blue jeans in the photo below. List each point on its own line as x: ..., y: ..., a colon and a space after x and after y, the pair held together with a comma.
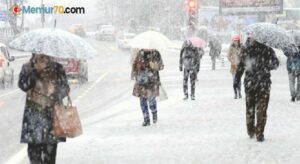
x: 238, y: 89
x: 144, y: 106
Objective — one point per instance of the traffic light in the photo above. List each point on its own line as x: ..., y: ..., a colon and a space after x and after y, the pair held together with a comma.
x: 191, y: 5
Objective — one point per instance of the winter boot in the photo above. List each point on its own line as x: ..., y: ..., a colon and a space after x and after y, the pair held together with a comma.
x: 293, y: 99
x: 192, y: 97
x: 154, y: 118
x: 260, y: 138
x: 235, y: 95
x: 146, y: 122
x: 251, y: 135
x: 240, y: 95
x: 186, y: 97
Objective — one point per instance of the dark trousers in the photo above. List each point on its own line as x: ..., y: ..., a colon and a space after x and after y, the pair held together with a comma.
x: 236, y: 90
x: 294, y: 83
x: 186, y: 74
x: 213, y: 62
x: 42, y: 153
x: 152, y: 105
x: 256, y: 103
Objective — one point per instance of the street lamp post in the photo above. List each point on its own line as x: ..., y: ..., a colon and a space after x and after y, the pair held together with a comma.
x: 42, y: 14
x: 191, y: 7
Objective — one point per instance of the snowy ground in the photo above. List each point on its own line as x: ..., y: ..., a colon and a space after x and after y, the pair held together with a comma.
x: 209, y: 130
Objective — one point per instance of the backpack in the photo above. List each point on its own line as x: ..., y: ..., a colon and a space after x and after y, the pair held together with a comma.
x: 189, y: 58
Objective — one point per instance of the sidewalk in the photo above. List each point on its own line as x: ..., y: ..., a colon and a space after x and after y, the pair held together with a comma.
x: 210, y: 130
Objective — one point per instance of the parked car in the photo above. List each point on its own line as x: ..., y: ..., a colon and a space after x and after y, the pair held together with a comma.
x: 106, y: 33
x: 123, y: 40
x: 78, y: 29
x: 75, y: 68
x: 6, y: 71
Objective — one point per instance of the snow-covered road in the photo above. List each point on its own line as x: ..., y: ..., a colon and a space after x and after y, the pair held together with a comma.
x: 210, y: 130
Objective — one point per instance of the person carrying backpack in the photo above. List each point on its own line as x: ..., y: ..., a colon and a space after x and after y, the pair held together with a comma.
x: 190, y: 60
x: 145, y: 72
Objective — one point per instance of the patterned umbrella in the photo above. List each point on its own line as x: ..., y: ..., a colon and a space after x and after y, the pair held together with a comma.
x: 272, y: 35
x: 296, y: 35
x: 53, y: 42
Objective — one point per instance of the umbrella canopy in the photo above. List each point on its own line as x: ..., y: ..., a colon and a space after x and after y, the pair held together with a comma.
x: 150, y: 40
x: 53, y: 42
x: 197, y: 42
x: 271, y: 35
x: 296, y: 35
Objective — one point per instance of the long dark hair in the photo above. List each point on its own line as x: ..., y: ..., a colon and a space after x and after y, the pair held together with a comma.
x: 238, y: 45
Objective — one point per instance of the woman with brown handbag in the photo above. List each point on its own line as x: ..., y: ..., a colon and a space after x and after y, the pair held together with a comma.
x: 45, y: 84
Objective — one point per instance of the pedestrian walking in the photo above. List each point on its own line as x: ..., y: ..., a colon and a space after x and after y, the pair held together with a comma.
x: 201, y: 53
x: 45, y: 84
x: 293, y: 68
x: 215, y: 51
x: 145, y: 72
x: 234, y: 58
x: 189, y: 63
x: 257, y: 60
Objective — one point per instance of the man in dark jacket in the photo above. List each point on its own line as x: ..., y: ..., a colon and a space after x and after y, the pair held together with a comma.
x: 215, y: 50
x: 190, y: 60
x: 257, y: 60
x: 293, y: 68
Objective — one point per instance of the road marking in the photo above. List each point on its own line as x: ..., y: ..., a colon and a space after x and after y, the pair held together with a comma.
x: 19, y: 157
x: 1, y: 103
x: 90, y: 88
x: 9, y: 93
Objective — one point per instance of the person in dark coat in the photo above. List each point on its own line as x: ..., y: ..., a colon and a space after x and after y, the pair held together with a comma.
x: 293, y: 68
x: 257, y: 60
x: 189, y: 63
x: 45, y: 84
x: 215, y: 50
x: 145, y: 72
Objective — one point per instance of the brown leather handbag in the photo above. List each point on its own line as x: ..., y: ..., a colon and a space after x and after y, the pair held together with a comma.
x: 66, y: 122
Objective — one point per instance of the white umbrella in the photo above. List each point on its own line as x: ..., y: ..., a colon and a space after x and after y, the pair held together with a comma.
x: 150, y: 40
x: 53, y: 42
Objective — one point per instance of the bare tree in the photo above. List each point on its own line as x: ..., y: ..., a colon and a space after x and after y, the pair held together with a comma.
x: 13, y: 19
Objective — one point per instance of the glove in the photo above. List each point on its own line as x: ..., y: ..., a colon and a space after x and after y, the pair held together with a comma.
x: 180, y: 69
